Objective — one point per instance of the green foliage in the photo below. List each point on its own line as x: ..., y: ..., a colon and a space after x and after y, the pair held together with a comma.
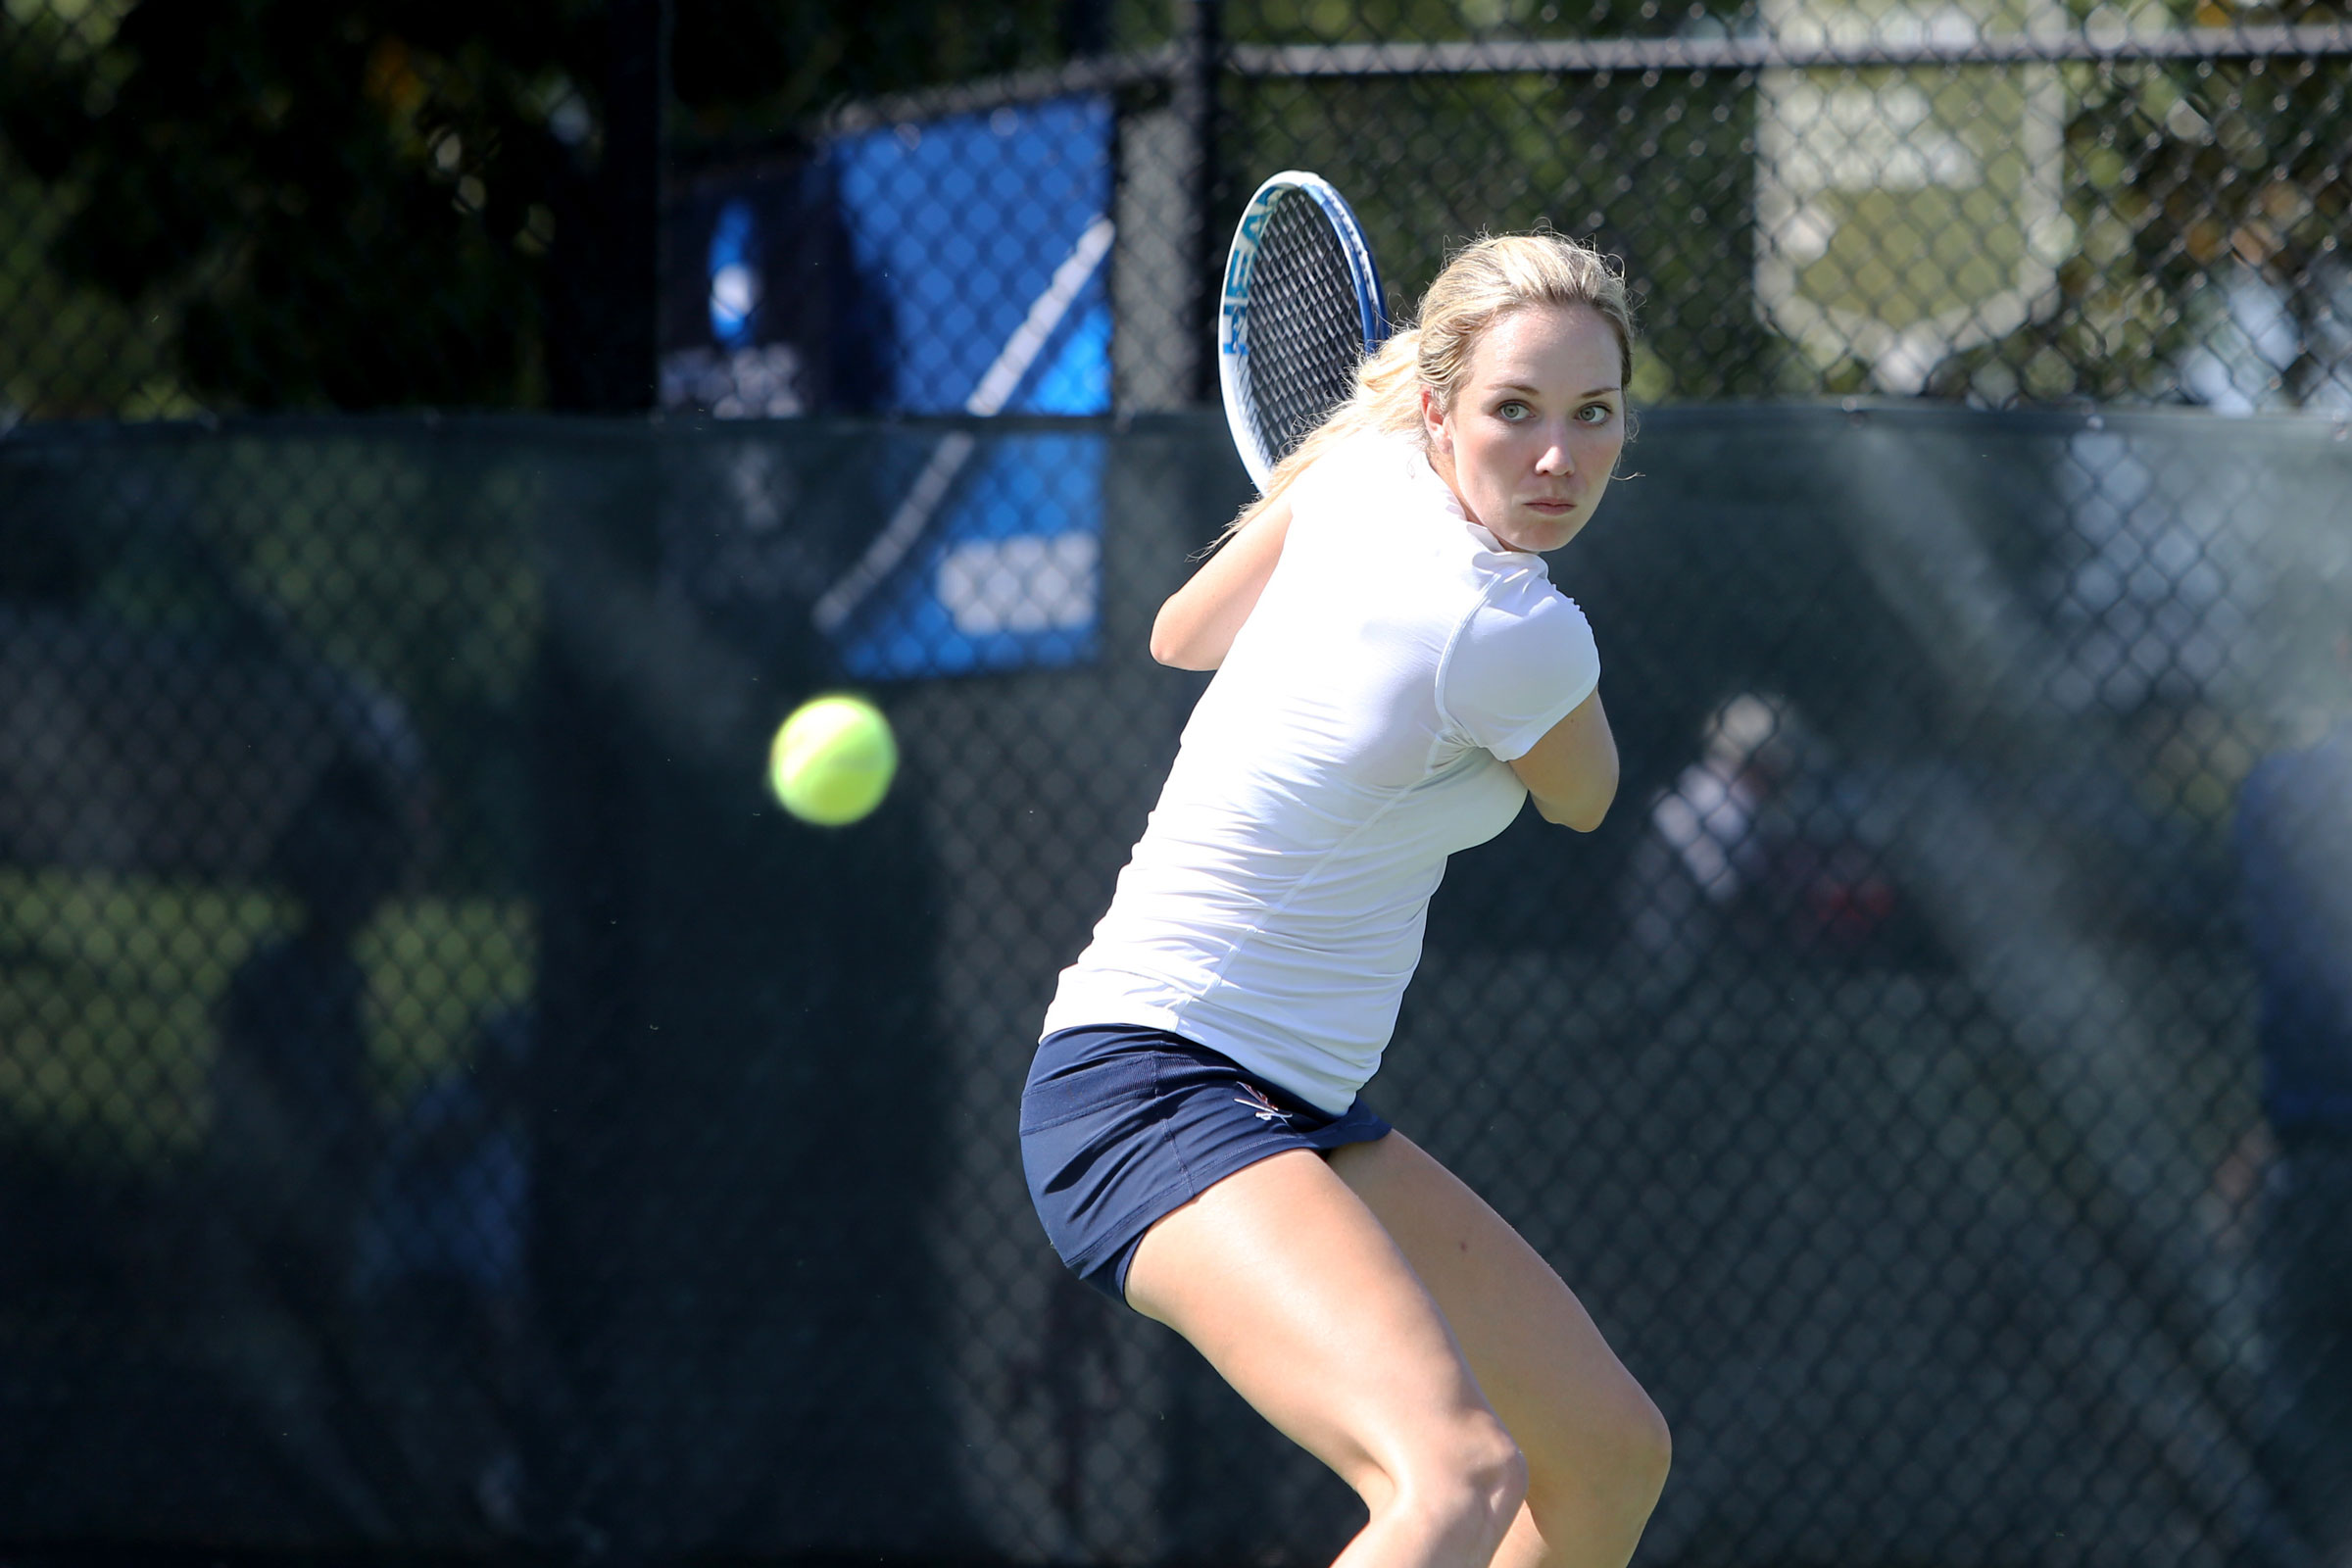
x: 340, y: 205
x: 254, y: 203
x: 1655, y: 171
x: 110, y: 987
x: 276, y: 204
x: 2181, y: 175
x: 1402, y: 20
x: 743, y: 68
x: 401, y: 559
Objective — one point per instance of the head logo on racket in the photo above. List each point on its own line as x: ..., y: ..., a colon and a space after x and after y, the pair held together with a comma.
x: 1301, y: 309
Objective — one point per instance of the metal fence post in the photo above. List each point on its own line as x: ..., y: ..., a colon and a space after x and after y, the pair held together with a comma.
x: 602, y: 347
x: 1197, y: 109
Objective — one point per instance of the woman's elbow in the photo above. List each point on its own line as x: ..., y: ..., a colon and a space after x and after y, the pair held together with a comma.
x: 1167, y: 640
x: 1177, y: 653
x: 1181, y: 644
x: 1581, y: 816
x: 1585, y: 811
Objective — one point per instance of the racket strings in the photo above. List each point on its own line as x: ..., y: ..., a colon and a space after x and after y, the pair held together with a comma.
x: 1306, y: 333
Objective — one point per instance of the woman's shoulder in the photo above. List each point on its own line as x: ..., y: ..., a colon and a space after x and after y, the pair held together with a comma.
x: 1384, y: 471
x: 1392, y: 455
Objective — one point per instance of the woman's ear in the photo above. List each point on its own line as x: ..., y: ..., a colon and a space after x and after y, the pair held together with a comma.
x: 1433, y: 420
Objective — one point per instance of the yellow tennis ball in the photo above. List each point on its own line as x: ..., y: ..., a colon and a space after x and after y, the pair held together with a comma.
x: 832, y: 761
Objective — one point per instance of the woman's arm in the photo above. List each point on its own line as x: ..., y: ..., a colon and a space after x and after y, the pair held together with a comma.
x: 1572, y: 772
x: 1197, y: 623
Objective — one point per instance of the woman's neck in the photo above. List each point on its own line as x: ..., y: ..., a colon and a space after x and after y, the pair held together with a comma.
x: 1441, y: 464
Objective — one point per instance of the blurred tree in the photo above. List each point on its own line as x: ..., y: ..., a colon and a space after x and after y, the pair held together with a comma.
x: 748, y: 70
x: 2208, y: 200
x: 1654, y: 167
x: 355, y: 203
x: 341, y: 203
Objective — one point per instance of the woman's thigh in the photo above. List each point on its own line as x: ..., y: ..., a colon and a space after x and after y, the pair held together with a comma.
x: 1595, y: 1442
x: 1293, y: 1290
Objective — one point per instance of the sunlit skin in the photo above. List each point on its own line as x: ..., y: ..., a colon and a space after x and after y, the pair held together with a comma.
x: 1536, y: 427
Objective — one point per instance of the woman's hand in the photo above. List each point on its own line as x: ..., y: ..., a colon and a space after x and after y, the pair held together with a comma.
x: 1572, y: 772
x: 1197, y: 623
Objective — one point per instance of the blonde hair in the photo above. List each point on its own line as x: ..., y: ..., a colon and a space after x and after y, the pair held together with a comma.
x: 1481, y: 285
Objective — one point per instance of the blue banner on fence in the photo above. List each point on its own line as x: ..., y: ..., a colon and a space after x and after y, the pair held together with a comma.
x: 984, y: 242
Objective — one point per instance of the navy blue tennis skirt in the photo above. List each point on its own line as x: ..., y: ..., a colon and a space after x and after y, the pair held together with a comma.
x: 1122, y: 1124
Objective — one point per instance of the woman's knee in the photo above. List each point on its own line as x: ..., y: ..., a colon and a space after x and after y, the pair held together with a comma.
x: 1467, y: 1478
x: 1616, y: 1449
x: 1648, y: 1446
x: 1497, y: 1474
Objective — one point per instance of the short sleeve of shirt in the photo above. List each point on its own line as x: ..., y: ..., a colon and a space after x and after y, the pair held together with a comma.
x: 1522, y: 662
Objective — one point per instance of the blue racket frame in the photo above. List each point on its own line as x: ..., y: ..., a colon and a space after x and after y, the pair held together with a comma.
x: 1233, y: 308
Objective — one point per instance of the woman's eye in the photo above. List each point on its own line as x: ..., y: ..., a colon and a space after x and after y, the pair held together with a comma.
x: 1513, y: 410
x: 1594, y: 414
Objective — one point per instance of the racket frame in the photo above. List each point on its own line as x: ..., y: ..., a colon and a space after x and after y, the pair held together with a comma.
x: 1232, y: 306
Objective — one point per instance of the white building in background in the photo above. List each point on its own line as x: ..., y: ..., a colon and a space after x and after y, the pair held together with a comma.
x: 1905, y: 212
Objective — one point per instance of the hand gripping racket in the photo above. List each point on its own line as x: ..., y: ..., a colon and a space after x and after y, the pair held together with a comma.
x: 1301, y: 309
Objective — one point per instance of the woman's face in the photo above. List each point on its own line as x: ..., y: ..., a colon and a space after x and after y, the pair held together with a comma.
x: 1535, y: 425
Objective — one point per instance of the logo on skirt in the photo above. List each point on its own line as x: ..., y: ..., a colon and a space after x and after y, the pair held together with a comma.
x: 1265, y: 1109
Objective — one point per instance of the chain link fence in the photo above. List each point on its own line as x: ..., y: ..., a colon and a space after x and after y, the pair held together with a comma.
x: 2003, y: 202
x: 446, y: 1105
x: 446, y: 1108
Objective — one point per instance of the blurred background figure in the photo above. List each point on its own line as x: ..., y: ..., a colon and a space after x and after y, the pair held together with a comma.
x: 295, y: 1133
x: 441, y: 1264
x: 449, y: 1208
x: 1761, y: 847
x: 1708, y: 838
x: 2294, y: 841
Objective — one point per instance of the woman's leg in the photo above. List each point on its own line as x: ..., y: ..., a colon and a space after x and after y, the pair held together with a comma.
x: 1283, y: 1279
x: 1595, y: 1446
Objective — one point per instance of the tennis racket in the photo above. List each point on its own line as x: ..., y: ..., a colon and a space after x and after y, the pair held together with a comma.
x: 1301, y: 309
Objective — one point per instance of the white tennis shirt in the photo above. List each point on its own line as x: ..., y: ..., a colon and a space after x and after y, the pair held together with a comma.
x: 1356, y: 734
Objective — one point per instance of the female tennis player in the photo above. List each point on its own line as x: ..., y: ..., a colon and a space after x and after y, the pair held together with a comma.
x: 1396, y: 676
